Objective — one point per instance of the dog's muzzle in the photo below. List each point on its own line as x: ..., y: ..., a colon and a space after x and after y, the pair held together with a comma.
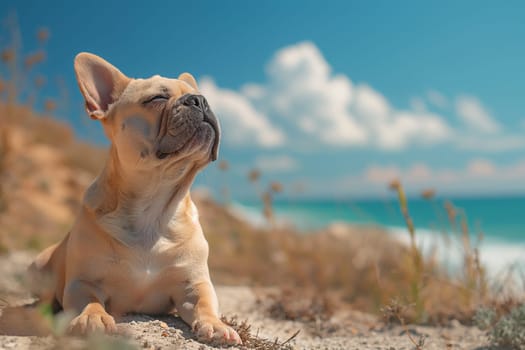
x: 188, y: 119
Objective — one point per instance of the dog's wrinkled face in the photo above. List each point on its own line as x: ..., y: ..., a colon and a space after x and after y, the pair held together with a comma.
x: 152, y: 123
x: 159, y: 121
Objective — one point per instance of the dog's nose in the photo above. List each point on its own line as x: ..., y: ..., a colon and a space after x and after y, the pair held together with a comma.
x: 197, y: 101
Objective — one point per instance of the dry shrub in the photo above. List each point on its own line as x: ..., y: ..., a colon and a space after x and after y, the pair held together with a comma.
x: 86, y: 157
x: 4, y: 150
x: 17, y: 115
x: 251, y: 341
x: 3, y: 201
x: 22, y: 225
x: 310, y: 306
x: 49, y: 131
x: 43, y: 35
x: 4, y: 142
x: 33, y: 59
x: 50, y: 105
x: 435, y: 295
x: 8, y: 55
x: 305, y: 306
x: 395, y: 313
x: 363, y: 265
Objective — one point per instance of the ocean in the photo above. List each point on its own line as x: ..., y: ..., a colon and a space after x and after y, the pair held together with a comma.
x: 498, y: 221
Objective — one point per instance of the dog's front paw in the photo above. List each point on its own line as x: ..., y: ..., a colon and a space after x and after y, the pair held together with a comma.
x: 213, y: 330
x: 87, y: 323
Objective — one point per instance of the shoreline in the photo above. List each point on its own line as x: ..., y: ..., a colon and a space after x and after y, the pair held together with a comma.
x: 496, y: 254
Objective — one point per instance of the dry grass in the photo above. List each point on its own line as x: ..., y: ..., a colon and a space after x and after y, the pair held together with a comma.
x: 394, y: 312
x: 253, y: 341
x: 85, y: 157
x: 46, y: 130
x: 359, y: 266
x: 46, y: 165
x: 339, y: 258
x: 43, y: 168
x: 306, y: 306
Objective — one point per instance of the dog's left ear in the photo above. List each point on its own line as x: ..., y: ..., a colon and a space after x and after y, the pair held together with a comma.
x: 100, y: 82
x: 189, y: 79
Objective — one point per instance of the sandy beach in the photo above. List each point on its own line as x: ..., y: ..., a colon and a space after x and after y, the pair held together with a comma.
x: 344, y: 330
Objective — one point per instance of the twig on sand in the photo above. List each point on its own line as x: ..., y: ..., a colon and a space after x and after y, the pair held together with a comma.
x: 250, y: 341
x: 291, y: 338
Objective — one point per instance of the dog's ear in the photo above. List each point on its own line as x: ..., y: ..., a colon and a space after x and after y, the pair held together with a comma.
x: 100, y: 83
x: 189, y: 79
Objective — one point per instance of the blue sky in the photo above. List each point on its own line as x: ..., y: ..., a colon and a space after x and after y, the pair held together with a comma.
x: 332, y: 97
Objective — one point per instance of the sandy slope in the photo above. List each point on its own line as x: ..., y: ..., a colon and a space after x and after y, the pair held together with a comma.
x: 349, y: 330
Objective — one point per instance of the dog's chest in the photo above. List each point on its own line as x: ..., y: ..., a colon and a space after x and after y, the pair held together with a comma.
x: 143, y: 281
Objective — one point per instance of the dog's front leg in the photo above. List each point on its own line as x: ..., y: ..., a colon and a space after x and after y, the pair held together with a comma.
x: 197, y: 304
x: 87, y: 300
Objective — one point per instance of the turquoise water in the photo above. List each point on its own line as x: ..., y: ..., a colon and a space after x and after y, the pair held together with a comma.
x: 500, y: 220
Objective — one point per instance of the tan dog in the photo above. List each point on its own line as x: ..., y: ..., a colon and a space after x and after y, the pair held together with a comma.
x: 137, y: 245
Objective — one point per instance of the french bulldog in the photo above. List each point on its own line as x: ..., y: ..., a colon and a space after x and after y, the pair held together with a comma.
x: 137, y: 244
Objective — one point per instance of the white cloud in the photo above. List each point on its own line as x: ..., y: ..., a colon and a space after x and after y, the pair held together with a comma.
x: 437, y: 99
x: 274, y: 164
x: 242, y: 123
x: 416, y: 173
x: 517, y: 170
x: 381, y: 174
x: 371, y: 104
x: 302, y: 89
x: 475, y: 115
x: 253, y: 91
x: 481, y: 168
x: 477, y: 171
x: 492, y: 143
x: 419, y: 172
x: 393, y: 129
x: 404, y: 128
x: 477, y: 175
x: 304, y: 105
x: 329, y: 107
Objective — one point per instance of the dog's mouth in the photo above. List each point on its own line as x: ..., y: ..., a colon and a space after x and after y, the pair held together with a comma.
x: 163, y: 154
x: 188, y: 127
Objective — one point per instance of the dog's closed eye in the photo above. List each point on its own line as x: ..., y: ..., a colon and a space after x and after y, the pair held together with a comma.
x: 156, y: 98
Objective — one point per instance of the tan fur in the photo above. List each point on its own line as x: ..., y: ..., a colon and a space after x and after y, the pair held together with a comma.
x: 137, y: 245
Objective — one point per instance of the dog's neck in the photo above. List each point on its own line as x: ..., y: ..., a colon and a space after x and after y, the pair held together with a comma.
x: 137, y: 209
